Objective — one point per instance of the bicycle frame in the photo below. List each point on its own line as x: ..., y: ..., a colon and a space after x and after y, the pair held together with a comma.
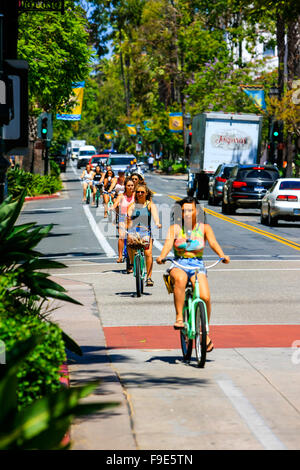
x: 139, y: 253
x: 192, y: 299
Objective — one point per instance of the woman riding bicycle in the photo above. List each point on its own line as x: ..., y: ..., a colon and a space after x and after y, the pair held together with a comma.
x: 87, y: 177
x: 96, y: 181
x: 122, y: 204
x: 141, y: 213
x: 137, y: 178
x: 118, y: 184
x: 187, y: 236
x: 109, y: 175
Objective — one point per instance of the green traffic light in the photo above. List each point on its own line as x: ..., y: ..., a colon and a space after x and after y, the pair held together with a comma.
x: 276, y: 134
x: 44, y: 131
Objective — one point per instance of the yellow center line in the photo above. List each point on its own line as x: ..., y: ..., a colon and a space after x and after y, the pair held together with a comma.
x: 277, y: 238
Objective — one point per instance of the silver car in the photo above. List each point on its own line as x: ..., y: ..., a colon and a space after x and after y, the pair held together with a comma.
x: 282, y: 201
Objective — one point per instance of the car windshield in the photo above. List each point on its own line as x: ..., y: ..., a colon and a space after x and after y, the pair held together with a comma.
x: 290, y: 185
x: 75, y: 149
x: 254, y: 173
x: 120, y: 160
x: 96, y: 160
x: 83, y: 153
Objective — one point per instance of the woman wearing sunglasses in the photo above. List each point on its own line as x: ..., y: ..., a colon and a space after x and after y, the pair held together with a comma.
x: 140, y: 216
x: 121, y: 205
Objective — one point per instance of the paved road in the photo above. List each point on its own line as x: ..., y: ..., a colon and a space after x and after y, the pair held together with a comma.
x: 248, y: 395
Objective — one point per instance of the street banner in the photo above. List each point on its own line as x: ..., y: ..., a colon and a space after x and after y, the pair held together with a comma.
x: 116, y: 133
x: 107, y: 135
x: 75, y: 114
x: 147, y: 125
x: 257, y: 94
x: 131, y: 129
x: 175, y: 122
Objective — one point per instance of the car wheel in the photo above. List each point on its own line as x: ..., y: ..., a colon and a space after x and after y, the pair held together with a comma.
x: 272, y: 221
x: 224, y: 207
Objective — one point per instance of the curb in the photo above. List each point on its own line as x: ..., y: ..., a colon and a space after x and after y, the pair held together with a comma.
x: 42, y: 196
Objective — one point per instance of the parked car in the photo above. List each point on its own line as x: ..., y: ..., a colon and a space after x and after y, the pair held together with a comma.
x: 120, y: 162
x: 100, y: 160
x: 84, y: 155
x: 61, y: 161
x: 282, y: 201
x: 246, y: 186
x: 216, y: 183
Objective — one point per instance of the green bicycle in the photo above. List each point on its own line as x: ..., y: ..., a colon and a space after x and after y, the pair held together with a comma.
x: 194, y: 318
x: 88, y: 194
x: 139, y: 260
x: 110, y: 205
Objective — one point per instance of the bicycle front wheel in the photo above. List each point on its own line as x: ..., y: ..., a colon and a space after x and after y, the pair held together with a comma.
x: 201, y: 335
x: 138, y: 277
x: 186, y: 342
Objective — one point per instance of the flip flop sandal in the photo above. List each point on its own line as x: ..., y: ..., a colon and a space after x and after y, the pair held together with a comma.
x: 149, y: 282
x: 209, y: 347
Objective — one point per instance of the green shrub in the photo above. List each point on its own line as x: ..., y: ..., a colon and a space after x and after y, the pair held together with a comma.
x: 39, y: 374
x: 34, y: 184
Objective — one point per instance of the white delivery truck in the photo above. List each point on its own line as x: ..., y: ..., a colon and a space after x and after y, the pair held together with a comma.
x: 74, y: 146
x: 221, y: 138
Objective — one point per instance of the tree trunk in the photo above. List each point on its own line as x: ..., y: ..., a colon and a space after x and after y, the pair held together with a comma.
x: 280, y: 36
x: 293, y: 74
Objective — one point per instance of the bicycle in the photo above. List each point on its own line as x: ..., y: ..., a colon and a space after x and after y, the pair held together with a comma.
x: 194, y: 318
x: 98, y: 194
x: 139, y: 260
x: 88, y: 194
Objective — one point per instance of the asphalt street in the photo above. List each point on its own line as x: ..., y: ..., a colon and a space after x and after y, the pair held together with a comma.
x: 248, y: 394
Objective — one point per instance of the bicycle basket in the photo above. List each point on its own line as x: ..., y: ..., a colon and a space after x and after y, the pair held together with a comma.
x: 168, y: 283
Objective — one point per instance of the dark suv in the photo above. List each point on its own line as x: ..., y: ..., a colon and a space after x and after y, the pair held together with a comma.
x: 216, y: 183
x: 246, y: 186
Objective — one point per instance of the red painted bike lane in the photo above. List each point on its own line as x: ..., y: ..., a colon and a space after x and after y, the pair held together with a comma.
x: 223, y: 336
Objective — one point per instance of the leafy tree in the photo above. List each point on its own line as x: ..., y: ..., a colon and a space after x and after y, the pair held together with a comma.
x: 57, y: 51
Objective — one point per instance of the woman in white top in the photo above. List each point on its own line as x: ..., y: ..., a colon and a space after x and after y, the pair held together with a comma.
x: 118, y: 184
x: 87, y: 177
x: 122, y: 204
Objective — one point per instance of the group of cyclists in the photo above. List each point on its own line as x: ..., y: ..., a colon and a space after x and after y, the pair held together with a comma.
x: 132, y: 201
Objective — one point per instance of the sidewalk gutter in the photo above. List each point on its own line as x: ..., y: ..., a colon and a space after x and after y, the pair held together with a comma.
x: 42, y: 196
x: 112, y: 428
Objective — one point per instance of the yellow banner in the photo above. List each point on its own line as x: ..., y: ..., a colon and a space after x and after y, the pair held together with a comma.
x: 131, y: 129
x: 175, y: 122
x: 77, y: 100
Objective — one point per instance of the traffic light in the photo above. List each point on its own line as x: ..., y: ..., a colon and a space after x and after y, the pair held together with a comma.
x: 277, y: 132
x: 140, y: 140
x: 44, y: 128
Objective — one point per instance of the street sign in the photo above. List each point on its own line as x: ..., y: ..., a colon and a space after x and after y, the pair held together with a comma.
x: 41, y: 5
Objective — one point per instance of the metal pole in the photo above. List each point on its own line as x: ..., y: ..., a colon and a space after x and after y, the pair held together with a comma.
x: 4, y: 164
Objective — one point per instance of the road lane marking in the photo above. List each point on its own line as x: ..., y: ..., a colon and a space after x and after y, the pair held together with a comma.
x: 109, y: 251
x: 249, y: 414
x: 275, y: 237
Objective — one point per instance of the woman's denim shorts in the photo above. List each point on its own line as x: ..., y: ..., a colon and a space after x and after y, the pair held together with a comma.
x: 196, y: 263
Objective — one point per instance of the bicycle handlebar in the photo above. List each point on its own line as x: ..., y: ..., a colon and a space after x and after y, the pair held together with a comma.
x: 172, y: 260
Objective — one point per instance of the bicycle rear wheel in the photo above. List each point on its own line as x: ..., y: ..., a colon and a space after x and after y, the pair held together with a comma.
x: 138, y: 276
x: 201, y: 335
x: 88, y: 195
x: 186, y: 342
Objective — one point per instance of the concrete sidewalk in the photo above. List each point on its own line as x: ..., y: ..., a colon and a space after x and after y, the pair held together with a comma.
x: 110, y: 429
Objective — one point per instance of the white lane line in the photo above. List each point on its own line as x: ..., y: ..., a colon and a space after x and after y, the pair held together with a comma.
x: 109, y: 251
x: 50, y: 209
x: 249, y: 414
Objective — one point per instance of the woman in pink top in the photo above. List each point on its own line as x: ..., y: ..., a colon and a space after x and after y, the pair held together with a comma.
x: 122, y: 204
